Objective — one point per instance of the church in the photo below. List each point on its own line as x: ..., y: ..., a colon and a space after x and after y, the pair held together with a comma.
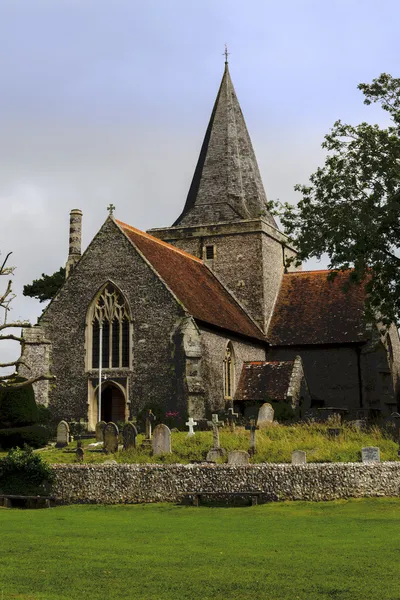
x: 205, y: 314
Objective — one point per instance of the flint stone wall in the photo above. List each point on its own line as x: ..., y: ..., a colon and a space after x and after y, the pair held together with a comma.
x: 131, y: 484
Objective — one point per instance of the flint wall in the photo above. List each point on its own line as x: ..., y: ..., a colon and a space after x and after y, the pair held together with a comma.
x: 130, y: 484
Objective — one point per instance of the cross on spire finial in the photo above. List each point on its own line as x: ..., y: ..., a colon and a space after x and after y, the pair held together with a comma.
x: 226, y: 54
x: 110, y: 209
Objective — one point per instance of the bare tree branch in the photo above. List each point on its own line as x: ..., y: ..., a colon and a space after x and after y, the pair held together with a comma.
x: 22, y: 384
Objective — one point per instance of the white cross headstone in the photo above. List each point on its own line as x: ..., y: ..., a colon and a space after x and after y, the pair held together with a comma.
x: 191, y: 423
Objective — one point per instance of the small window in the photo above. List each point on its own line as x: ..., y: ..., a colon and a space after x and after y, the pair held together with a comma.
x: 210, y: 252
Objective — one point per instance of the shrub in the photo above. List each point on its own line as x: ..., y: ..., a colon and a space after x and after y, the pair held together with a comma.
x: 36, y: 436
x: 24, y: 472
x: 17, y: 406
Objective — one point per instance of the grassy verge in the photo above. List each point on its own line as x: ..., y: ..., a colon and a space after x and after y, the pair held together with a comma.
x: 286, y: 551
x: 274, y: 444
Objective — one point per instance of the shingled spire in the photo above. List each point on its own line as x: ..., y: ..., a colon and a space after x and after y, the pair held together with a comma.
x: 226, y: 185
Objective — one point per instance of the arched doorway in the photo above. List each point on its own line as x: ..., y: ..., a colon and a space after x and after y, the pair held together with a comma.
x: 113, y: 403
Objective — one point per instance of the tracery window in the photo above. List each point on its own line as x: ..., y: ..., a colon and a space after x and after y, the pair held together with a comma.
x: 229, y: 371
x: 111, y: 325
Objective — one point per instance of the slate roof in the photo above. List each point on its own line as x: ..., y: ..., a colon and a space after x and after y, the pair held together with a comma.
x: 264, y: 380
x: 226, y: 185
x: 200, y: 292
x: 310, y: 309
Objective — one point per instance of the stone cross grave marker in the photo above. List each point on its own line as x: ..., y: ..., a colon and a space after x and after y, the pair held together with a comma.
x: 215, y: 425
x: 150, y: 418
x: 252, y: 427
x: 238, y: 457
x: 111, y: 438
x: 231, y: 416
x: 129, y: 433
x: 265, y: 415
x: 100, y: 431
x: 62, y: 434
x: 299, y: 457
x: 161, y: 440
x: 371, y: 454
x: 191, y: 423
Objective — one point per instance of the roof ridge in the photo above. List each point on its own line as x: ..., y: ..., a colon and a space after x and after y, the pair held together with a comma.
x: 161, y: 242
x: 304, y: 272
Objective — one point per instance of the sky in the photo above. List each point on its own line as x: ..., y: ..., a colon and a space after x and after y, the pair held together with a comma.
x: 108, y: 101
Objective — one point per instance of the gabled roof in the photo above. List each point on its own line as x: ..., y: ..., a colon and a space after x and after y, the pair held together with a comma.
x: 263, y: 381
x: 194, y: 285
x: 226, y: 185
x: 312, y: 309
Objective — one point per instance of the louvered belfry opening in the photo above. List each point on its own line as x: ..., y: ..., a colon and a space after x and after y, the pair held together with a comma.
x: 111, y: 311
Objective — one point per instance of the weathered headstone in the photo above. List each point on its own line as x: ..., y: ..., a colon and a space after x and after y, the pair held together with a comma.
x: 215, y: 454
x: 110, y: 438
x: 371, y: 454
x: 215, y: 425
x: 299, y: 457
x: 265, y: 415
x: 231, y: 416
x: 100, y: 431
x: 191, y: 423
x: 252, y: 427
x: 62, y: 434
x: 161, y: 440
x: 129, y: 433
x: 238, y: 457
x: 80, y: 454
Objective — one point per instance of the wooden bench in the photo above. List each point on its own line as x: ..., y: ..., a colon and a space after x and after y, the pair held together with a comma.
x: 14, y: 501
x: 196, y: 496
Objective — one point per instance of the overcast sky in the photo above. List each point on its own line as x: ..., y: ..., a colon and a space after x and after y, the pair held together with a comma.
x: 108, y: 101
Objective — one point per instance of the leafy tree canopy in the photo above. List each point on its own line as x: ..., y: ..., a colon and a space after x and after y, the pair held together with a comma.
x: 46, y: 287
x: 351, y: 207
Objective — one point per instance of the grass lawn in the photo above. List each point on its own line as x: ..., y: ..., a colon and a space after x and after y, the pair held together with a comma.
x: 343, y: 550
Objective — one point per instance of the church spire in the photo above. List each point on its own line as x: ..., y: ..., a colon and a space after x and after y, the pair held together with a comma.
x: 226, y: 185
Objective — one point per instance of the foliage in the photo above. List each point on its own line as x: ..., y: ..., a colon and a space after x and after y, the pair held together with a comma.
x: 24, y: 472
x: 35, y: 436
x: 350, y: 208
x: 279, y: 551
x: 17, y: 406
x: 46, y: 287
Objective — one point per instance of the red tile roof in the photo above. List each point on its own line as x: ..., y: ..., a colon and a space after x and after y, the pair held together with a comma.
x: 193, y: 284
x: 311, y: 309
x: 264, y: 381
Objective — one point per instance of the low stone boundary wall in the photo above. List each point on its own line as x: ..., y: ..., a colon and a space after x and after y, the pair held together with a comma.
x: 130, y: 484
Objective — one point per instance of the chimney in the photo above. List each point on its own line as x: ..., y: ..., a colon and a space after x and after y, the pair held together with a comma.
x: 75, y: 240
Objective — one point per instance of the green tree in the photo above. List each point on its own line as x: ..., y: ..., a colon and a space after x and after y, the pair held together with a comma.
x: 46, y: 287
x: 351, y: 207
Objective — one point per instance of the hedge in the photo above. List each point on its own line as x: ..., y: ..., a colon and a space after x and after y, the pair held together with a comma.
x: 35, y: 436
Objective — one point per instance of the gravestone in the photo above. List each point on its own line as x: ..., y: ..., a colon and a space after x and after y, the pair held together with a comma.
x: 265, y: 415
x: 129, y: 433
x: 110, y: 438
x: 252, y: 427
x: 100, y: 431
x: 371, y: 454
x: 238, y: 457
x: 161, y: 440
x: 80, y: 454
x: 231, y: 416
x: 62, y: 434
x: 191, y: 423
x: 299, y: 457
x: 215, y: 454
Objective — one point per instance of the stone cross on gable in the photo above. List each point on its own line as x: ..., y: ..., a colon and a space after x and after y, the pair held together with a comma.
x: 191, y: 423
x: 252, y: 427
x: 110, y: 209
x: 231, y: 416
x: 150, y: 418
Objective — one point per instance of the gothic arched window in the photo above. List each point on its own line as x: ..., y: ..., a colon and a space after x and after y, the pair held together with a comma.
x: 229, y: 371
x: 110, y: 325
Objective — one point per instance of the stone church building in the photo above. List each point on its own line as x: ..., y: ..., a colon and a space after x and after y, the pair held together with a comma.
x: 204, y: 314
